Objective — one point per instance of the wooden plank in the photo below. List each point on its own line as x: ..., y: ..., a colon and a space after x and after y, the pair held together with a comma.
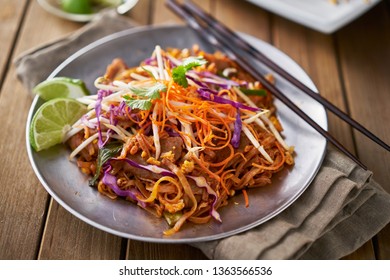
x: 141, y: 12
x: 36, y: 31
x: 67, y: 237
x: 365, y: 58
x: 315, y: 53
x: 11, y: 14
x: 365, y: 62
x: 162, y: 15
x: 22, y: 201
x: 382, y: 247
x: 137, y: 250
x: 245, y: 17
x: 365, y: 252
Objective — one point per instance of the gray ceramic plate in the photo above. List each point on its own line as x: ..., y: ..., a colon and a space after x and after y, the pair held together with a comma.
x: 69, y: 187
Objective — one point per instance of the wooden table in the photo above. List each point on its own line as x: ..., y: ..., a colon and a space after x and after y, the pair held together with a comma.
x: 351, y: 68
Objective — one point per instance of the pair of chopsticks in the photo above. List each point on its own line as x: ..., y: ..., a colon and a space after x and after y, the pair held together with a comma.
x: 224, y: 39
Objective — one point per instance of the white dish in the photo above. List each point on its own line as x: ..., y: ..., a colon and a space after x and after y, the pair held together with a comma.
x: 54, y: 7
x: 320, y: 15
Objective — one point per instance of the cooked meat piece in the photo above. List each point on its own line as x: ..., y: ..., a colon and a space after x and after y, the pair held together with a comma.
x: 173, y: 144
x: 115, y: 69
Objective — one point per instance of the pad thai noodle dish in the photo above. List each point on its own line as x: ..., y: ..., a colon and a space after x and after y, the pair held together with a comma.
x: 179, y: 135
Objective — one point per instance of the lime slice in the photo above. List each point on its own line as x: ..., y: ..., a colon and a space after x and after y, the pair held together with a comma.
x: 108, y: 3
x: 61, y: 87
x: 52, y: 120
x: 77, y: 6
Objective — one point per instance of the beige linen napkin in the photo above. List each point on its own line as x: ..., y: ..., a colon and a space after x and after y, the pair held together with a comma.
x: 340, y: 210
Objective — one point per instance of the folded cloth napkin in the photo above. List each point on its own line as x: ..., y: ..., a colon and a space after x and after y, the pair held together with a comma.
x: 341, y: 209
x: 33, y: 66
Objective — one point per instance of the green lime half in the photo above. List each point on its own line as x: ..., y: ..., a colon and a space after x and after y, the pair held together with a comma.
x: 53, y: 120
x: 61, y: 87
x: 77, y: 6
x: 108, y: 3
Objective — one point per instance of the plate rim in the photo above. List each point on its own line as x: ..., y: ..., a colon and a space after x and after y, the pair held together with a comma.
x: 310, y: 20
x: 95, y: 224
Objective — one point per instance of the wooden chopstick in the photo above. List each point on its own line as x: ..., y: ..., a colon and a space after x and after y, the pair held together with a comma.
x: 231, y: 50
x: 222, y: 29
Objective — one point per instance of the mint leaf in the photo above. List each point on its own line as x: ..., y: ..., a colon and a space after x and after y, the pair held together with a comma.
x: 104, y: 154
x: 179, y: 72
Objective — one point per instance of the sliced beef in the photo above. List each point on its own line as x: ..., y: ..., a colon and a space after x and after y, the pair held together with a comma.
x: 174, y: 144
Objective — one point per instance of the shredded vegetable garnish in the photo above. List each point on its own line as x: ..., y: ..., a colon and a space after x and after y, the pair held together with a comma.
x: 179, y: 135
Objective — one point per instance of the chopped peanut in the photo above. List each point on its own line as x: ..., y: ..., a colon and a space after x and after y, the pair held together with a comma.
x: 154, y: 161
x: 169, y: 156
x: 187, y: 167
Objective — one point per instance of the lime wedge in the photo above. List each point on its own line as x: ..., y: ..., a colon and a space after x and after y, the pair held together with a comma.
x: 77, y: 6
x: 61, y: 87
x: 112, y: 3
x: 52, y: 120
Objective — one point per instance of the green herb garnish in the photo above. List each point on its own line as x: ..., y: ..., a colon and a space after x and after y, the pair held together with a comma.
x: 146, y: 94
x: 142, y: 104
x: 152, y: 92
x: 179, y: 72
x: 104, y: 154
